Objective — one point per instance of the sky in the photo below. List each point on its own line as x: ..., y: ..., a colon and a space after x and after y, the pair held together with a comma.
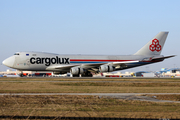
x: 100, y: 27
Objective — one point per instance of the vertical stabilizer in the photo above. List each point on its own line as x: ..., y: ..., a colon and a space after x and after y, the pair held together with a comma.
x: 154, y: 46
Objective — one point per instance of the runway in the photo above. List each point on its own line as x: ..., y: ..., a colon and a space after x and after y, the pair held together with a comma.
x: 91, y: 81
x: 101, y: 78
x: 124, y: 96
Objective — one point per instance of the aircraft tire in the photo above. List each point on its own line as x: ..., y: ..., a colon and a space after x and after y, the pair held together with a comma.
x: 75, y: 75
x: 87, y: 75
x: 21, y: 75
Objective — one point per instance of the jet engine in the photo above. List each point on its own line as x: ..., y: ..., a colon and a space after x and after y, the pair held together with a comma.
x: 77, y: 71
x: 106, y: 68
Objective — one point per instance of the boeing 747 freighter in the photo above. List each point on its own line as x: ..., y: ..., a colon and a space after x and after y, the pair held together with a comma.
x: 85, y: 65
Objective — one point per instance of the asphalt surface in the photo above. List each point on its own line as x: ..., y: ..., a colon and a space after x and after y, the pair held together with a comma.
x: 95, y: 77
x: 124, y: 96
x: 93, y: 81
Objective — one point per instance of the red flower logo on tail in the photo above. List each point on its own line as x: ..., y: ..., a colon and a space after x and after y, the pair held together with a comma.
x: 155, y: 46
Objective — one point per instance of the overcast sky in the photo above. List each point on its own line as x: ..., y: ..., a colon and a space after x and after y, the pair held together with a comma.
x: 112, y: 27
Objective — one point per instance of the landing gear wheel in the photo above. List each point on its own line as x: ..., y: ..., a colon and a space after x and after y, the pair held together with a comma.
x: 75, y: 75
x: 21, y: 75
x: 88, y: 74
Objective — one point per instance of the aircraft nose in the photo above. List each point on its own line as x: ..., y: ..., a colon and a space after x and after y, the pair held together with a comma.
x: 9, y: 61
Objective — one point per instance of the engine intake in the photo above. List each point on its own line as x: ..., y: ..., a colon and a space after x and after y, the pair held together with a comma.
x: 106, y: 68
x: 77, y: 71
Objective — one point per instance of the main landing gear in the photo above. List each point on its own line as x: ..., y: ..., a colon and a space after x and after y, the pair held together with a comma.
x: 86, y: 74
x: 21, y: 74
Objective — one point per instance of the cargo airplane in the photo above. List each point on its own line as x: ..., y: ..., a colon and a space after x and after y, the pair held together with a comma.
x: 85, y: 65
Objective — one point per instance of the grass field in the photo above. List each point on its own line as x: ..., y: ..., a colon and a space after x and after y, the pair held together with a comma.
x: 85, y: 106
x: 22, y: 85
x: 88, y: 106
x: 89, y: 79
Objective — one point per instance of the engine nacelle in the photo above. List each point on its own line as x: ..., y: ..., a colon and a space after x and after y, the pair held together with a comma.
x: 106, y: 68
x: 77, y: 71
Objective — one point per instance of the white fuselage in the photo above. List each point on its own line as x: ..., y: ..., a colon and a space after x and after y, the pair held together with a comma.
x: 37, y: 61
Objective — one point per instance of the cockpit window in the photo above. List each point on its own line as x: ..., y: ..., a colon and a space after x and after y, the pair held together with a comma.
x: 16, y: 54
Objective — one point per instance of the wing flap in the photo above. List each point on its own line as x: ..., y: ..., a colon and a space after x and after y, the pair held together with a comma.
x: 119, y: 63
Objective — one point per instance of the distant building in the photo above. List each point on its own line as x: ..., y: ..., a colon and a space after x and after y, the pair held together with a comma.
x: 26, y: 73
x: 173, y: 72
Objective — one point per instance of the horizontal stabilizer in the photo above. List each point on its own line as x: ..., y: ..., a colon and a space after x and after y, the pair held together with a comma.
x: 162, y: 58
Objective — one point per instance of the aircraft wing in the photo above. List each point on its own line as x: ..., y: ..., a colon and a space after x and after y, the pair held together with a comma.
x: 85, y: 66
x: 61, y: 67
x: 65, y: 66
x: 95, y: 66
x: 119, y: 63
